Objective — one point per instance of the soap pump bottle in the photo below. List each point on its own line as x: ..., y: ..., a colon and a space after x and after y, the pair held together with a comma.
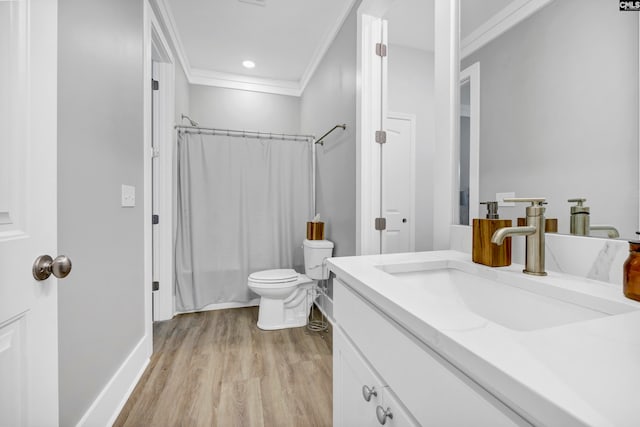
x: 579, y: 217
x: 483, y: 250
x: 631, y: 277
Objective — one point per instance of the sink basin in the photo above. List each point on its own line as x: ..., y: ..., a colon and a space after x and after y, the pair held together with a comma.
x: 517, y: 303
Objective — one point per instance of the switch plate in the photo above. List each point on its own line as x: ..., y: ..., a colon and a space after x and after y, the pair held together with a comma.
x: 501, y: 196
x: 128, y: 196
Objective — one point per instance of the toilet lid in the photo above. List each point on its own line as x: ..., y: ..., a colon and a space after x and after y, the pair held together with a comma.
x: 274, y: 276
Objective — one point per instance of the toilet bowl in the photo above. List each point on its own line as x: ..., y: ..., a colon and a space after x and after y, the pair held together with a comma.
x: 284, y: 302
x: 286, y: 296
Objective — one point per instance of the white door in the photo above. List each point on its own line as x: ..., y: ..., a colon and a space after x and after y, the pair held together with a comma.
x: 28, y: 222
x: 398, y: 192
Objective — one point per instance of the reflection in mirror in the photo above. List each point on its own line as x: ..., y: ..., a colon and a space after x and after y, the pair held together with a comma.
x: 559, y: 107
x: 468, y: 148
x: 463, y: 170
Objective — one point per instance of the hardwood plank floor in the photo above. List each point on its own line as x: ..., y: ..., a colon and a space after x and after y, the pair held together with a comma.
x: 217, y: 368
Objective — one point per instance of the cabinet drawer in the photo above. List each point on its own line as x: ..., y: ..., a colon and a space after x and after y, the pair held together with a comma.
x: 432, y: 389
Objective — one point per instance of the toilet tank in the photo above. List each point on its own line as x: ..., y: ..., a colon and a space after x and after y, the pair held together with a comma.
x: 315, y: 252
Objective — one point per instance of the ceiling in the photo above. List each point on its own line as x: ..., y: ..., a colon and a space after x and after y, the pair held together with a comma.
x: 287, y: 38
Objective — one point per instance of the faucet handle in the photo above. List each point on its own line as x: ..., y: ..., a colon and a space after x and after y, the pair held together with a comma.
x: 579, y: 201
x: 535, y: 201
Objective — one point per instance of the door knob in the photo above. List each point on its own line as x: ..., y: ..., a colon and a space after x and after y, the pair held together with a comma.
x: 367, y: 392
x: 382, y: 414
x: 44, y: 266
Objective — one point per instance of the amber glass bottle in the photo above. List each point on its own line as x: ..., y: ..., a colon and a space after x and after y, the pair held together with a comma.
x: 631, y: 280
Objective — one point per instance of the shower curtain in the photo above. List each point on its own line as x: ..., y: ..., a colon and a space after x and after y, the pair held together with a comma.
x: 242, y: 207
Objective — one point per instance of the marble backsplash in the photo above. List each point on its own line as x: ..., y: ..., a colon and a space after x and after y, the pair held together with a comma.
x: 590, y: 257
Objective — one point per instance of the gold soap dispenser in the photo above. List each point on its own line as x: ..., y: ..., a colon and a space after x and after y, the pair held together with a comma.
x: 483, y: 251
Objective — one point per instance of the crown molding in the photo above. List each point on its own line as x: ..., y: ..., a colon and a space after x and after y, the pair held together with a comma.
x: 511, y: 15
x: 166, y: 16
x: 238, y: 81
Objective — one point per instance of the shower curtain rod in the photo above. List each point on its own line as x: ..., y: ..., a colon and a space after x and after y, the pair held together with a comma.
x: 246, y: 133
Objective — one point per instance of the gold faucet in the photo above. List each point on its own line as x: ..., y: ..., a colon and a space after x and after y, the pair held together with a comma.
x: 534, y: 232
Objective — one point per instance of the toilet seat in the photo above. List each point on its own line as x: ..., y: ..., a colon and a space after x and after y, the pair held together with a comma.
x: 276, y: 276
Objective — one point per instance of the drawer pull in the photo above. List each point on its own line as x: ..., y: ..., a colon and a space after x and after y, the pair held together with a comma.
x: 368, y: 392
x: 383, y: 414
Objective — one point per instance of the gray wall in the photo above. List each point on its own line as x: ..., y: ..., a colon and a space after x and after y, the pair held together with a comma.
x: 330, y: 99
x: 244, y: 110
x: 410, y: 90
x: 559, y: 111
x: 100, y: 137
x: 182, y: 91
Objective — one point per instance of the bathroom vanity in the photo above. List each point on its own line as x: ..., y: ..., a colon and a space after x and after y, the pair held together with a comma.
x: 433, y: 339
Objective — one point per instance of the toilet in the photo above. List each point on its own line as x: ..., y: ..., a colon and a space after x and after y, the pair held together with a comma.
x: 286, y: 295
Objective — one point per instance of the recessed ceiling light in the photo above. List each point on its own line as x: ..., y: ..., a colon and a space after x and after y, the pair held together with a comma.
x: 248, y: 64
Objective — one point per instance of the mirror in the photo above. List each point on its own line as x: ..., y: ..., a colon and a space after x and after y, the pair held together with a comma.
x: 558, y: 96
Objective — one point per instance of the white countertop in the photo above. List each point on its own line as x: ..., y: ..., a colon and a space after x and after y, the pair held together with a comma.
x: 583, y: 373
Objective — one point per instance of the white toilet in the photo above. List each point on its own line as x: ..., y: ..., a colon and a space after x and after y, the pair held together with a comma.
x: 284, y: 302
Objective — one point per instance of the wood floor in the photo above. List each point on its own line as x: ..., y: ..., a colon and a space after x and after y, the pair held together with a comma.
x: 217, y: 368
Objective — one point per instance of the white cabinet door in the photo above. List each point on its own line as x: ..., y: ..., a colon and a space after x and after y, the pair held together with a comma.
x: 28, y: 221
x: 350, y: 375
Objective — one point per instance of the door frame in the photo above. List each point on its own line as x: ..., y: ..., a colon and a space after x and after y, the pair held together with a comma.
x: 471, y: 74
x: 156, y: 45
x: 411, y: 118
x: 369, y: 110
x: 446, y: 128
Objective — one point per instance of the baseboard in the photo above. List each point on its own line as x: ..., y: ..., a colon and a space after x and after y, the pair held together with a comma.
x: 107, y: 406
x: 224, y: 305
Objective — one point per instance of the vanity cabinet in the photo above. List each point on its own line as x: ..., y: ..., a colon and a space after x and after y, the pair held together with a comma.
x: 417, y: 385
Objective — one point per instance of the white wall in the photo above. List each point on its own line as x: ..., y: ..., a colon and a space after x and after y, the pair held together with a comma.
x: 100, y: 134
x: 410, y: 90
x: 244, y: 110
x: 330, y: 99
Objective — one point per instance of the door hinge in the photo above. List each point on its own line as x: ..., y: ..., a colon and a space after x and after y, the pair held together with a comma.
x: 381, y: 49
x: 155, y: 219
x: 381, y: 224
x: 381, y: 136
x: 155, y: 153
x: 155, y: 85
x: 155, y: 286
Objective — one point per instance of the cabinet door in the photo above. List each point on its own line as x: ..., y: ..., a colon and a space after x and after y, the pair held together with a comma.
x: 392, y: 413
x: 350, y: 374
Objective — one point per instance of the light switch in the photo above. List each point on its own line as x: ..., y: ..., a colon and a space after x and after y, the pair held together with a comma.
x: 501, y: 196
x: 128, y: 196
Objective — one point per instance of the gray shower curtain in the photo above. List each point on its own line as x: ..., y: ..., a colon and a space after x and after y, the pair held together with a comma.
x: 242, y: 207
